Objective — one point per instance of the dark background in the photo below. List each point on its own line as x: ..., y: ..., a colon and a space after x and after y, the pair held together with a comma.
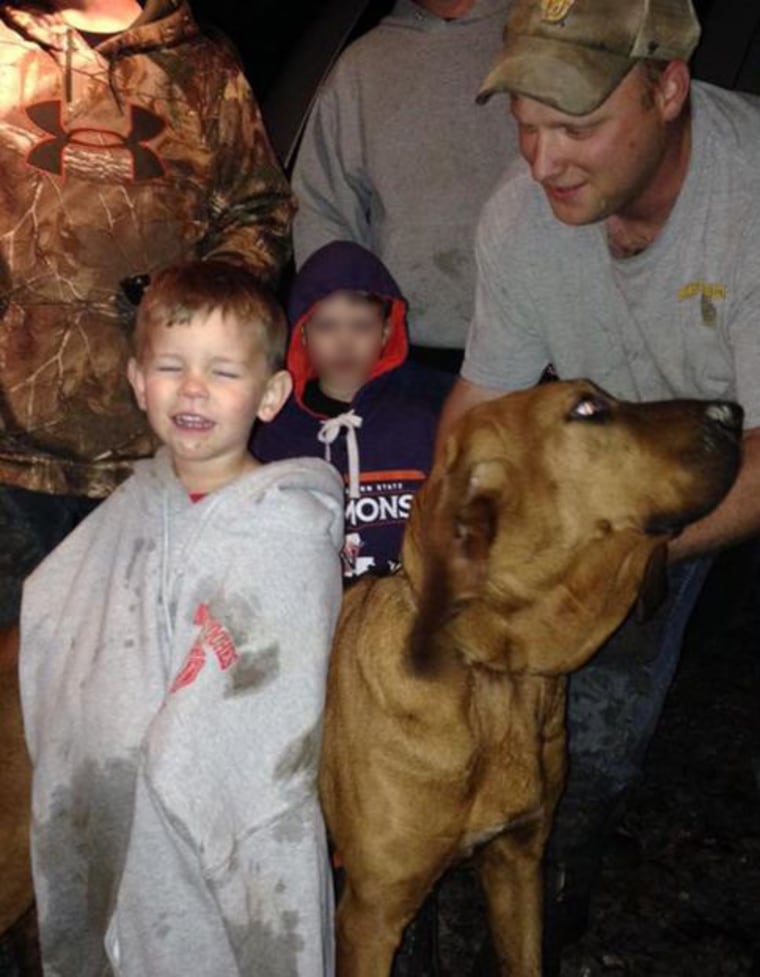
x: 288, y: 46
x: 268, y: 34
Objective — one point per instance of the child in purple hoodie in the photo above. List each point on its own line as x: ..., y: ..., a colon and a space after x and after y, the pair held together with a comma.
x: 348, y: 340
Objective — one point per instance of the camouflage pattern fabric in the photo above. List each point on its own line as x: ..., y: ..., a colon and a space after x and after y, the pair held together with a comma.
x: 114, y: 162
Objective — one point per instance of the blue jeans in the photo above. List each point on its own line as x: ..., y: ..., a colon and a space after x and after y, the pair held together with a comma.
x: 613, y: 707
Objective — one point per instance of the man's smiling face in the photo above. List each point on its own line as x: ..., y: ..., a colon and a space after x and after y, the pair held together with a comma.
x: 596, y: 165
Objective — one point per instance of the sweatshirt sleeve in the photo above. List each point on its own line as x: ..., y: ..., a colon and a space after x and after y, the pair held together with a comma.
x: 505, y: 349
x: 330, y: 177
x: 250, y: 202
x: 227, y: 869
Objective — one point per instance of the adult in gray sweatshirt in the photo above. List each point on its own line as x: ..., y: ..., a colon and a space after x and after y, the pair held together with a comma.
x: 398, y: 157
x: 173, y: 665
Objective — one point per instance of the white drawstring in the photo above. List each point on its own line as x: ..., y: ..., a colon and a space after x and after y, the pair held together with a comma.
x: 330, y: 430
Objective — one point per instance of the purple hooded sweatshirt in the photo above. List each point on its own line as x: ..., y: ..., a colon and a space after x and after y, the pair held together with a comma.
x: 388, y: 433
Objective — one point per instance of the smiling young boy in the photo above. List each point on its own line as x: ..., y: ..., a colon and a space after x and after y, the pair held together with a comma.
x: 348, y: 341
x: 174, y: 651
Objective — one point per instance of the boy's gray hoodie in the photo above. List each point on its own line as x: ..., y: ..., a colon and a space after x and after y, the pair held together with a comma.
x: 397, y: 157
x: 173, y: 666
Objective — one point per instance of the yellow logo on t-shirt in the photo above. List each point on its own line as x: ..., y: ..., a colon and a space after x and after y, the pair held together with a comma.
x: 554, y: 11
x: 709, y: 290
x: 708, y: 293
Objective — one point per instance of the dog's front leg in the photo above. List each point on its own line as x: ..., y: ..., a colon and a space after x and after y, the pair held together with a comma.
x: 510, y: 870
x: 368, y: 934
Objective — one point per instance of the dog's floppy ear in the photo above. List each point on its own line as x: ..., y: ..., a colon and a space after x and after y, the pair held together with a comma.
x: 460, y: 524
x: 654, y: 586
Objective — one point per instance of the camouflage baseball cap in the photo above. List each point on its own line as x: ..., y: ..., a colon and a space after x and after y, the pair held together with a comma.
x: 572, y: 54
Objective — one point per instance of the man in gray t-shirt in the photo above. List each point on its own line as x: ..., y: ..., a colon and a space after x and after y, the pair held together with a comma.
x: 626, y: 251
x: 676, y: 318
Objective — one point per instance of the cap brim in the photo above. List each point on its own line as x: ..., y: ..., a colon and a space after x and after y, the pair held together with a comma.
x: 569, y: 77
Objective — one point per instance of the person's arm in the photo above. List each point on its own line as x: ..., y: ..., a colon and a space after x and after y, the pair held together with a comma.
x: 330, y: 176
x: 505, y: 351
x: 735, y: 519
x: 738, y: 516
x: 463, y: 396
x: 251, y: 204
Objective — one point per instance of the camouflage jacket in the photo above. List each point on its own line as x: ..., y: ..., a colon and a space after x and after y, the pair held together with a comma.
x: 114, y: 161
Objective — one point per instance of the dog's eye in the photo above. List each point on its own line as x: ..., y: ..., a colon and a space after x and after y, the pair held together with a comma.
x: 591, y: 408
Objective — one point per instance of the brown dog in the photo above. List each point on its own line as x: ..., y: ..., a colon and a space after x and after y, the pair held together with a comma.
x: 15, y: 791
x: 444, y: 728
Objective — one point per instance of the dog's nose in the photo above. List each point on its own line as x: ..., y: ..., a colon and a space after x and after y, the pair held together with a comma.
x: 726, y: 414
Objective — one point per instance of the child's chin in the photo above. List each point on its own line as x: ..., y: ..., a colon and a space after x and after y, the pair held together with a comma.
x: 347, y: 378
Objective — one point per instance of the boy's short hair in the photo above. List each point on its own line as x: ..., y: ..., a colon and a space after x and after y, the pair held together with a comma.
x: 180, y: 292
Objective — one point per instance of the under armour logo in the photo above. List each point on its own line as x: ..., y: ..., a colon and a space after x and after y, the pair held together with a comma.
x: 93, y: 153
